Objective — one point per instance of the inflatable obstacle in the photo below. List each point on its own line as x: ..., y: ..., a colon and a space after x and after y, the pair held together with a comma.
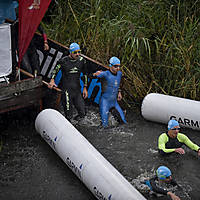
x: 161, y: 108
x: 101, y: 178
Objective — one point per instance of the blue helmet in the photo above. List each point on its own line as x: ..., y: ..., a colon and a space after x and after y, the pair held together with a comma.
x: 172, y: 123
x: 163, y: 172
x: 74, y: 47
x: 114, y: 61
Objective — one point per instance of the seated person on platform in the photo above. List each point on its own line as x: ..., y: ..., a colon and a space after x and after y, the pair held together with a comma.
x: 172, y: 140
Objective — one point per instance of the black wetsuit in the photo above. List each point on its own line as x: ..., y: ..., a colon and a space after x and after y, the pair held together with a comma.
x: 167, y: 145
x: 70, y: 84
x: 30, y: 61
x: 154, y: 185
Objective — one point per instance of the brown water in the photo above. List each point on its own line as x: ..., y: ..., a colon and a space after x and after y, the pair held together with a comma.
x: 30, y: 169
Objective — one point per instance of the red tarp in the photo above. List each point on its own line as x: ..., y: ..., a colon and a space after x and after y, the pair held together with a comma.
x: 31, y: 13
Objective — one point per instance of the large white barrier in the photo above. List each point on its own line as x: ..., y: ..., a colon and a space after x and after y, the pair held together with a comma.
x: 5, y: 51
x: 101, y: 178
x: 162, y: 108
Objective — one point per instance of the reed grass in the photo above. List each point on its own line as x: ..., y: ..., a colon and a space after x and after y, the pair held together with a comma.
x: 157, y: 41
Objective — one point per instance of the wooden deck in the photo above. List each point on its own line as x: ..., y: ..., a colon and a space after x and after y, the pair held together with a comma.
x: 21, y: 94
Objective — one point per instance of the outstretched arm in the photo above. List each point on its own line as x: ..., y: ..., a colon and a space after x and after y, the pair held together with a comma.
x: 97, y: 73
x: 54, y: 73
x: 189, y: 143
x: 41, y: 30
x: 85, y: 92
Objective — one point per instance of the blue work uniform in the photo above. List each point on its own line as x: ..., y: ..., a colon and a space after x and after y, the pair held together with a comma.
x: 110, y: 86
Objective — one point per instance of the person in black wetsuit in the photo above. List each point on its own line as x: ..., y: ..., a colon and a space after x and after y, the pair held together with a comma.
x: 158, y: 184
x: 71, y: 67
x: 172, y: 140
x: 30, y: 61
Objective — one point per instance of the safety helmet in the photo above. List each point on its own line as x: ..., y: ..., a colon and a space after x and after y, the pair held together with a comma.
x: 172, y: 123
x: 74, y: 47
x: 163, y: 172
x: 114, y: 61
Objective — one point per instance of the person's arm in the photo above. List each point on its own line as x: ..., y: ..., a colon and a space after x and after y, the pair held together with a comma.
x: 162, y: 140
x: 119, y: 98
x: 84, y: 78
x: 54, y: 73
x: 163, y: 191
x: 157, y: 189
x: 85, y: 92
x: 97, y: 74
x: 173, y: 196
x: 41, y: 30
x: 183, y: 138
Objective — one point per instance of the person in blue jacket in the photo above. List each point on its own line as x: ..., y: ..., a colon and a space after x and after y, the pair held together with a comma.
x: 8, y: 10
x: 159, y: 183
x: 111, y: 92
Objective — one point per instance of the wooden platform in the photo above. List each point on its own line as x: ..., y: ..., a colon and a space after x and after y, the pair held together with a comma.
x: 21, y: 94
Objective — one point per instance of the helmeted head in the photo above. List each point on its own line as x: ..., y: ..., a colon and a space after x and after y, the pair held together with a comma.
x: 163, y: 172
x: 114, y: 61
x: 74, y: 47
x: 172, y: 123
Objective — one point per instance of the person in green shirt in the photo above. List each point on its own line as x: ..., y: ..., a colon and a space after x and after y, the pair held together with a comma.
x: 172, y: 140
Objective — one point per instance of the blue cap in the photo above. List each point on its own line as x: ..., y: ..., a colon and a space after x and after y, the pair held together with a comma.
x: 163, y: 172
x: 114, y: 61
x: 74, y: 47
x: 172, y: 123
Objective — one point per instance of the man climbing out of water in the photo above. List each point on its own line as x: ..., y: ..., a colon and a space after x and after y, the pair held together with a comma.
x: 110, y: 90
x: 158, y: 184
x: 71, y: 67
x: 172, y: 140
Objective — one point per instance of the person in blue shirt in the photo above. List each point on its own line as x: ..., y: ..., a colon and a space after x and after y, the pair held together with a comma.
x: 159, y: 183
x: 111, y: 93
x: 7, y: 10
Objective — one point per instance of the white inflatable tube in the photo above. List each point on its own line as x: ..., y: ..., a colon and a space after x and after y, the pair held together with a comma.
x: 162, y: 108
x: 101, y: 178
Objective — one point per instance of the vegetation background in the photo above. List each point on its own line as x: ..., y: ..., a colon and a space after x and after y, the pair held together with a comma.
x: 157, y: 41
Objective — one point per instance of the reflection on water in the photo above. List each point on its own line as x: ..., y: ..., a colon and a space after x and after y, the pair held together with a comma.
x: 30, y: 169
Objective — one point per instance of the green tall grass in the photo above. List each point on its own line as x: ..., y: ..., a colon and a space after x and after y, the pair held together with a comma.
x: 157, y: 41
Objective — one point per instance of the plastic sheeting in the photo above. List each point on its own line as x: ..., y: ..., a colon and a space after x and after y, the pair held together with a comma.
x: 5, y: 50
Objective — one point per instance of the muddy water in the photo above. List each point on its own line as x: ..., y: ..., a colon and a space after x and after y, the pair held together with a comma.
x: 30, y: 169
